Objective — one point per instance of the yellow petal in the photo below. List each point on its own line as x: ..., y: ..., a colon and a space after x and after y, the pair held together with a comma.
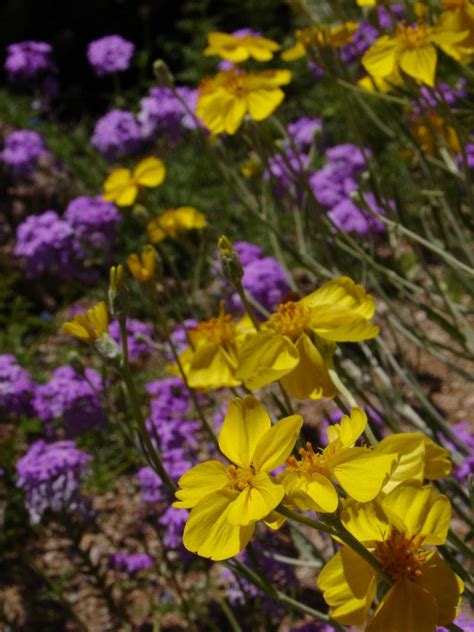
x: 261, y: 103
x: 256, y: 501
x: 440, y: 581
x: 120, y: 188
x: 420, y: 63
x: 437, y: 462
x: 245, y: 423
x: 419, y: 511
x: 315, y: 494
x: 275, y: 446
x: 366, y: 521
x: 210, y: 366
x: 381, y: 57
x: 344, y: 293
x: 265, y: 358
x: 150, y: 172
x: 349, y: 429
x: 348, y: 584
x: 406, y: 607
x: 209, y: 533
x: 76, y: 330
x: 310, y: 378
x: 295, y: 52
x: 411, y: 465
x: 200, y: 481
x: 361, y: 472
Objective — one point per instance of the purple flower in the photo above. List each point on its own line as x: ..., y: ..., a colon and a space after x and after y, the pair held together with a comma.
x: 303, y: 130
x: 48, y: 245
x: 443, y: 93
x: 464, y: 469
x: 179, y: 336
x: 266, y: 282
x: 137, y: 347
x: 248, y: 252
x: 130, y: 562
x: 350, y: 218
x: 26, y: 60
x: 173, y: 520
x: 385, y: 18
x: 110, y: 54
x: 72, y: 399
x: 284, y: 169
x: 16, y: 387
x: 22, y: 151
x: 463, y: 621
x: 94, y: 221
x: 153, y: 490
x: 469, y: 149
x: 162, y: 113
x: 362, y: 39
x: 117, y: 134
x: 50, y: 476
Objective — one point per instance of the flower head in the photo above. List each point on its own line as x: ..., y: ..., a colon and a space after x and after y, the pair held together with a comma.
x: 239, y: 48
x: 89, y: 326
x: 361, y: 472
x: 320, y: 36
x: 122, y: 185
x: 227, y: 501
x: 400, y: 530
x: 27, y: 60
x: 110, y: 54
x: 23, y: 150
x: 143, y: 266
x: 458, y: 16
x: 173, y: 221
x: 117, y: 134
x: 225, y: 99
x: 295, y: 345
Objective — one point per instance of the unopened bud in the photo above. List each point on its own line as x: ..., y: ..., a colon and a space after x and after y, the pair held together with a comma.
x: 162, y: 73
x: 231, y: 266
x: 118, y: 292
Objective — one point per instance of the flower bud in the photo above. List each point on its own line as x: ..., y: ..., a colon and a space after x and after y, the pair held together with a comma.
x: 231, y: 266
x: 162, y: 73
x: 118, y: 292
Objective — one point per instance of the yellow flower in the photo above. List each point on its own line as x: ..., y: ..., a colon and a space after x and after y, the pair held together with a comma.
x: 89, y: 326
x: 174, y: 221
x: 296, y: 344
x: 431, y: 131
x: 411, y: 50
x: 225, y: 99
x: 227, y: 501
x: 212, y: 359
x: 420, y: 458
x: 238, y: 49
x: 458, y: 16
x: 143, y: 266
x: 122, y: 185
x: 361, y: 472
x: 398, y: 530
x: 320, y: 36
x: 366, y: 3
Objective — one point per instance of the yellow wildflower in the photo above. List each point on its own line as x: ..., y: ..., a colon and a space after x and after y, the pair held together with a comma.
x: 401, y: 531
x: 122, y: 185
x: 361, y: 472
x: 174, y: 221
x: 431, y: 131
x: 458, y: 16
x: 225, y: 99
x: 295, y: 345
x: 237, y: 49
x: 366, y: 3
x: 211, y: 360
x: 320, y: 36
x: 411, y: 50
x: 142, y: 267
x: 89, y: 326
x: 228, y: 501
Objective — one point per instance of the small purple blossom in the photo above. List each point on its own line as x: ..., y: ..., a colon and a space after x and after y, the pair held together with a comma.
x: 94, y: 221
x: 464, y: 621
x: 469, y: 149
x: 163, y: 114
x: 72, y: 400
x: 179, y: 336
x: 173, y: 520
x: 303, y: 131
x: 110, y: 54
x: 22, y: 151
x: 466, y: 468
x: 350, y: 218
x: 284, y: 170
x: 362, y: 39
x: 48, y: 245
x: 130, y: 562
x: 266, y: 282
x: 27, y: 60
x: 385, y: 17
x: 16, y: 387
x: 136, y: 330
x: 50, y: 476
x: 117, y: 134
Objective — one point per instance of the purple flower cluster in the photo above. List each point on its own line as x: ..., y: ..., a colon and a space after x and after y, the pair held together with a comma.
x: 334, y: 186
x: 264, y: 278
x: 117, y: 134
x: 179, y: 336
x: 130, y: 562
x: 442, y: 94
x: 303, y: 131
x: 136, y: 330
x: 58, y: 246
x: 27, y: 60
x: 110, y: 54
x: 22, y: 151
x: 16, y: 387
x: 469, y: 149
x: 466, y: 468
x: 47, y: 243
x: 163, y: 115
x: 50, y: 476
x: 362, y: 39
x: 94, y: 222
x: 464, y: 621
x: 71, y: 401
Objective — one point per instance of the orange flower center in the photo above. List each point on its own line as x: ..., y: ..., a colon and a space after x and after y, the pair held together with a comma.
x: 401, y: 556
x: 241, y: 477
x: 290, y: 319
x: 310, y: 463
x: 219, y: 331
x: 412, y: 36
